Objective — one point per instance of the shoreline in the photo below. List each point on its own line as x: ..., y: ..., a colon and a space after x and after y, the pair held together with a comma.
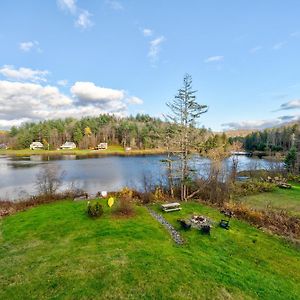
x: 82, y: 153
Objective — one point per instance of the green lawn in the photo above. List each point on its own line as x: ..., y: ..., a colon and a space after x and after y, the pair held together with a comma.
x: 55, y: 251
x: 112, y: 149
x: 279, y: 199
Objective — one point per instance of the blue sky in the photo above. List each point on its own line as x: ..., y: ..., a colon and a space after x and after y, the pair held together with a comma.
x: 76, y: 58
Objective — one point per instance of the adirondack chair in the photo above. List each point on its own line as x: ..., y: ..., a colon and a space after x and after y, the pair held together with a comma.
x: 224, y: 224
x: 185, y: 224
x: 205, y: 229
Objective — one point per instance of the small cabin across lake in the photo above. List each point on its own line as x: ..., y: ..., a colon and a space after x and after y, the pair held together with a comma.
x: 68, y: 145
x: 102, y: 146
x: 36, y: 146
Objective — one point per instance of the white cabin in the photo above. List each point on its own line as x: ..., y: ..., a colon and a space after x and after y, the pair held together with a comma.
x: 68, y: 145
x: 102, y: 146
x: 36, y: 146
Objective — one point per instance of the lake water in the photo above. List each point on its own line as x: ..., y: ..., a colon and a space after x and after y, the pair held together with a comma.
x: 109, y: 173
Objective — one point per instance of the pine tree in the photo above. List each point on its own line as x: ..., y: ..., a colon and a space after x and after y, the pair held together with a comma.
x: 290, y: 160
x: 184, y: 112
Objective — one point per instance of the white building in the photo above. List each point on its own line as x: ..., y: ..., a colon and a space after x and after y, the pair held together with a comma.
x: 102, y: 146
x: 36, y: 146
x: 68, y: 145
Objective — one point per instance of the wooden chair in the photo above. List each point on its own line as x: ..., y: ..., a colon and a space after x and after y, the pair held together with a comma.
x: 184, y: 224
x: 205, y: 229
x: 224, y: 224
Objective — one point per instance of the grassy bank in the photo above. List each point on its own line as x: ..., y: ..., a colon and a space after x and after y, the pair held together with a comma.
x: 279, y: 199
x: 112, y: 150
x: 56, y: 251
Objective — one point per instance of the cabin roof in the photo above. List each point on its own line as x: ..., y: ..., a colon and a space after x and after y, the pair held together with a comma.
x: 69, y: 144
x: 37, y: 143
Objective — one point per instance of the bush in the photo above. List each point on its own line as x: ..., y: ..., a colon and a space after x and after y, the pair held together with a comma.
x: 126, y: 193
x: 211, y: 190
x: 147, y: 197
x: 279, y: 222
x: 124, y: 207
x: 251, y: 187
x: 295, y: 178
x: 94, y: 210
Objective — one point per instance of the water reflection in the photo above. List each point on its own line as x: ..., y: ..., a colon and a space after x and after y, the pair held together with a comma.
x: 99, y: 173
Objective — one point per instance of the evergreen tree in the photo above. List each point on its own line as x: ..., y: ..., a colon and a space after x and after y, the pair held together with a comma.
x: 77, y: 135
x: 290, y: 160
x: 184, y: 112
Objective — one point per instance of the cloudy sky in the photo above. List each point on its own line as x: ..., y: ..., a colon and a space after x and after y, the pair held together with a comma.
x: 61, y: 58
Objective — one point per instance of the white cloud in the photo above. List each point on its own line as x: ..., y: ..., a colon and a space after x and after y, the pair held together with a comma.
x: 62, y: 82
x: 26, y: 46
x: 252, y: 124
x: 279, y: 45
x: 23, y: 74
x: 295, y: 34
x: 83, y: 20
x: 20, y: 94
x: 255, y: 49
x: 83, y: 16
x: 216, y: 58
x: 293, y: 104
x: 20, y: 102
x: 29, y: 101
x: 88, y: 91
x: 289, y: 118
x: 261, y: 124
x: 30, y: 45
x: 147, y: 32
x: 135, y: 100
x: 114, y: 4
x: 68, y: 5
x: 7, y: 124
x: 155, y: 47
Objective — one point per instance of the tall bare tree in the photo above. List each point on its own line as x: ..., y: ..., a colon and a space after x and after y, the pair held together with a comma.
x: 185, y: 112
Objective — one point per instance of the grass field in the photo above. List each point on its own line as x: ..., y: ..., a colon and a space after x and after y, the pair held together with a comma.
x: 55, y: 251
x: 112, y: 150
x: 279, y: 199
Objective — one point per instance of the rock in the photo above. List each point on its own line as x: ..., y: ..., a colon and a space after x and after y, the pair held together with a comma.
x: 174, y: 234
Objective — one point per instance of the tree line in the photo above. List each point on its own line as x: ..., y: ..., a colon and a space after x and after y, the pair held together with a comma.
x: 140, y: 132
x: 272, y: 139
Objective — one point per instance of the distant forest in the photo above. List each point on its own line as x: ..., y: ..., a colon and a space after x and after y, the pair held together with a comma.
x: 273, y: 139
x: 140, y: 132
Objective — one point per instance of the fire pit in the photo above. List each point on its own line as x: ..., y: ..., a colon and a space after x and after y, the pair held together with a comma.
x: 199, y: 222
x: 202, y: 223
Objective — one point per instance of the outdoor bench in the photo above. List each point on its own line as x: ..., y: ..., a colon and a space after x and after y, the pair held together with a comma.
x: 171, y: 207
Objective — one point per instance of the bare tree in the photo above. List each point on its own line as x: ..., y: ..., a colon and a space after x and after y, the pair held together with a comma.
x: 49, y: 180
x: 236, y: 147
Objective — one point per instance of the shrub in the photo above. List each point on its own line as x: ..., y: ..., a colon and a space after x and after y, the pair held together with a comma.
x: 158, y: 194
x: 147, y: 197
x: 295, y: 178
x: 279, y: 222
x: 49, y: 180
x: 211, y: 190
x: 126, y: 193
x: 94, y: 210
x: 252, y: 187
x: 124, y: 207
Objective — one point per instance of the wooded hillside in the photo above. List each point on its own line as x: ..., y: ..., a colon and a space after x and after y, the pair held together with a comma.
x: 140, y: 131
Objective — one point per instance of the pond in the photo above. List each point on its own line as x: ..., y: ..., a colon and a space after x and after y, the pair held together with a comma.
x: 18, y: 174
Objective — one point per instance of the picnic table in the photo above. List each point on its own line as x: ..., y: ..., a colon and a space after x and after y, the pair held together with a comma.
x: 171, y: 207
